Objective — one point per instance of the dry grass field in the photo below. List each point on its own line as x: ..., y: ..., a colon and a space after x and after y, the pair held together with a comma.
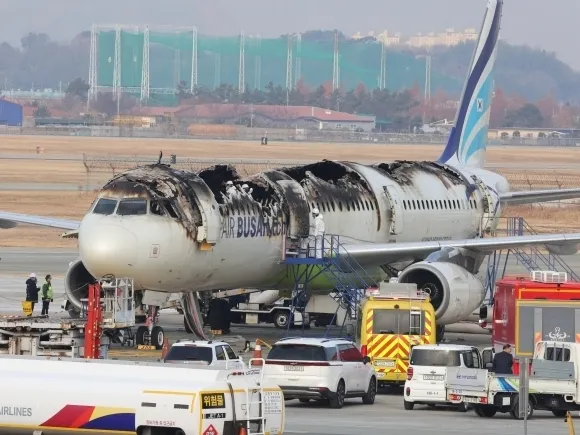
x: 202, y: 149
x: 72, y: 204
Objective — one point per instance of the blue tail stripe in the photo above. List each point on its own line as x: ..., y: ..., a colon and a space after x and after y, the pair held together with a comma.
x: 453, y: 143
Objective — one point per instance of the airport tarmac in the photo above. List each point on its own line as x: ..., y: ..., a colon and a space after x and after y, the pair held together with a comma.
x: 387, y: 416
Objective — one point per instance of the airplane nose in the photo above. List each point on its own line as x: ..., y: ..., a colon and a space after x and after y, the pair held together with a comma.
x: 108, y: 249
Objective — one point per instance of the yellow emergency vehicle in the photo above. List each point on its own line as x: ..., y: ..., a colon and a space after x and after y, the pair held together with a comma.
x: 394, y: 318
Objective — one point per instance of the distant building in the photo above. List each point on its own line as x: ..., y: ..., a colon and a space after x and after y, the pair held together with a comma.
x: 448, y: 38
x: 40, y: 96
x: 533, y: 133
x: 383, y: 37
x: 304, y: 117
x: 10, y: 113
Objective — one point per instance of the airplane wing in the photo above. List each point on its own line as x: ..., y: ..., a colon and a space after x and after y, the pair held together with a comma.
x: 532, y: 196
x: 384, y: 253
x: 10, y: 220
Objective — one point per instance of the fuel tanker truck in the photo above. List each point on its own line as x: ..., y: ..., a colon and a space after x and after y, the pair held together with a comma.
x: 75, y: 396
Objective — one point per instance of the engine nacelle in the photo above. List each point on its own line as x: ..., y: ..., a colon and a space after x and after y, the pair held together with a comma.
x: 454, y: 292
x: 76, y: 284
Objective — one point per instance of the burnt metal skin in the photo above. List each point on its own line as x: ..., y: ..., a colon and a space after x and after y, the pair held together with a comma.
x: 248, y: 247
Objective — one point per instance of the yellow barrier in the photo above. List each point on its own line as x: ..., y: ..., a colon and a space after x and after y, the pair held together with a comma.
x: 570, y: 423
x: 27, y: 308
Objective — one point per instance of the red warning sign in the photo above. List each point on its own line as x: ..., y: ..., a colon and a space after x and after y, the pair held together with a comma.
x: 210, y: 430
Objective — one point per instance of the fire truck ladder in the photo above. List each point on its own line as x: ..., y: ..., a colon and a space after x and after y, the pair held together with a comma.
x: 327, y: 257
x: 532, y: 258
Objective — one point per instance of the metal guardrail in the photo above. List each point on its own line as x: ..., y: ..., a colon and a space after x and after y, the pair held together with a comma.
x: 256, y: 134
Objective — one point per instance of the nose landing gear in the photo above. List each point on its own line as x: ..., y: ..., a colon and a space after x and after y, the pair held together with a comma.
x: 151, y: 334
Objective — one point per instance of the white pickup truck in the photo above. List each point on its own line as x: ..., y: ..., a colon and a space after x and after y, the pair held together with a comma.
x: 554, y: 384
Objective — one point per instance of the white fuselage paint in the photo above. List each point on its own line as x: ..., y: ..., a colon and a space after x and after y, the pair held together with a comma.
x: 157, y: 253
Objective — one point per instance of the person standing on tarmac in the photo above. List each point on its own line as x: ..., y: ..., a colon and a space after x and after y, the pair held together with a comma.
x: 47, y: 295
x: 503, y: 361
x: 32, y: 290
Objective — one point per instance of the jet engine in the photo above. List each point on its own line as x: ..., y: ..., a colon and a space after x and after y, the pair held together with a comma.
x: 454, y: 292
x: 76, y: 286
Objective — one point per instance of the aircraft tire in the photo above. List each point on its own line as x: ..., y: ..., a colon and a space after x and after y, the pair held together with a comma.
x: 141, y: 336
x: 157, y: 337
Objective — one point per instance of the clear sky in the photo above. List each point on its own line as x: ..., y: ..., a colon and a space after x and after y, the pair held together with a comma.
x: 551, y: 25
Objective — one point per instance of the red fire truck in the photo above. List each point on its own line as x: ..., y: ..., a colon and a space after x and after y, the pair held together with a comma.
x: 545, y: 306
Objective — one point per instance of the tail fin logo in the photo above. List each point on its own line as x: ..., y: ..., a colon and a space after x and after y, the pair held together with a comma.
x: 468, y: 139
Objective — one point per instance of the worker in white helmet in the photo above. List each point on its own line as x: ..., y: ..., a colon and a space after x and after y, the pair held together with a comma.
x: 246, y: 190
x: 231, y: 189
x: 319, y: 230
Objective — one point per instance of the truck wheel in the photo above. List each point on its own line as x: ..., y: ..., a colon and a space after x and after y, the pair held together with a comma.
x: 559, y: 413
x: 281, y: 319
x: 462, y: 407
x: 477, y: 410
x: 515, y: 411
x: 72, y: 311
x: 408, y: 405
x: 487, y: 411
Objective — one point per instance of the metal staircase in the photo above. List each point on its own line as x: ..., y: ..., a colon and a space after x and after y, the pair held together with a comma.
x: 531, y: 257
x: 326, y: 256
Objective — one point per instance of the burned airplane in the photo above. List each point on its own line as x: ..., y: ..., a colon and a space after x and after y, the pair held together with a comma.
x: 182, y: 232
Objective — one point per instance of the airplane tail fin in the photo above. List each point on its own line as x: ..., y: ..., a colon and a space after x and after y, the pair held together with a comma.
x: 468, y: 138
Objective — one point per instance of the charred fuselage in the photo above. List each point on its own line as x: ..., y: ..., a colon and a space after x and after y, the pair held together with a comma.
x: 174, y: 231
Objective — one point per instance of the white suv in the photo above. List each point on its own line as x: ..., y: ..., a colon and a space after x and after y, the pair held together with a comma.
x: 217, y: 354
x: 325, y: 369
x: 428, y: 365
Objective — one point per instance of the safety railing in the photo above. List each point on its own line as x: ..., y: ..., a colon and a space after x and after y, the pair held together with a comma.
x: 534, y: 258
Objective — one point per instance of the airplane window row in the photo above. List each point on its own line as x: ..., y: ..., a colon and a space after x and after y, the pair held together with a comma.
x: 441, y: 204
x: 353, y: 205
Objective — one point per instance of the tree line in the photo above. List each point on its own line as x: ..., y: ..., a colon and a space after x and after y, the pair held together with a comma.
x: 405, y: 111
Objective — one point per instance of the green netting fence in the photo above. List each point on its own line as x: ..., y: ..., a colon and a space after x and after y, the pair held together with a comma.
x: 170, y: 62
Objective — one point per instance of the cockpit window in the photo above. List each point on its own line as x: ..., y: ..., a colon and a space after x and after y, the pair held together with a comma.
x: 105, y: 206
x: 130, y: 207
x: 156, y: 208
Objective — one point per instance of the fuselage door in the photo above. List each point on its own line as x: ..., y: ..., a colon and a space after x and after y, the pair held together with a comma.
x: 395, y: 206
x: 209, y: 231
x: 299, y: 219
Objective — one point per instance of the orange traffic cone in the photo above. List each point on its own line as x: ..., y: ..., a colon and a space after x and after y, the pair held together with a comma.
x: 257, y: 354
x: 165, y: 348
x: 243, y: 431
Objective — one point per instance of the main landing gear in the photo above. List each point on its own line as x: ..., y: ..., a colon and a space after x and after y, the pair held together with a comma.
x: 151, y: 334
x: 192, y: 318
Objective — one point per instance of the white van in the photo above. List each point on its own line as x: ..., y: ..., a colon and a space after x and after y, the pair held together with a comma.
x: 426, y: 373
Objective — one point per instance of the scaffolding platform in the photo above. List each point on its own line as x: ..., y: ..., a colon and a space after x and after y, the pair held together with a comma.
x: 311, y: 257
x: 531, y: 258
